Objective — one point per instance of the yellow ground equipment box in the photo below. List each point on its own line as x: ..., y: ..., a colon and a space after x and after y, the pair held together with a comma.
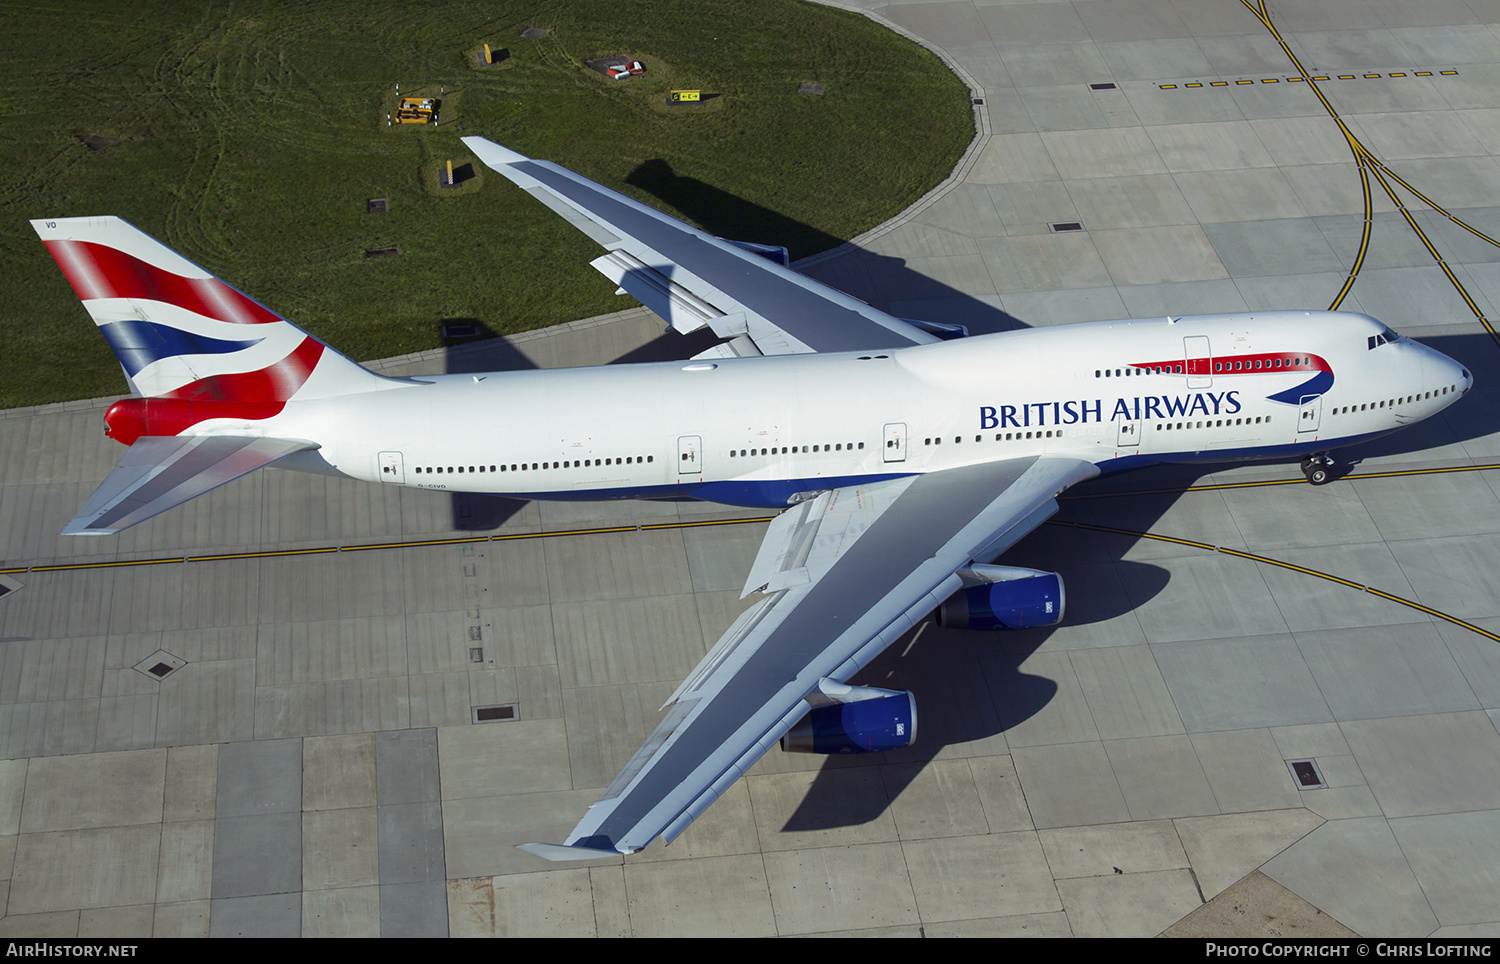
x: 417, y: 110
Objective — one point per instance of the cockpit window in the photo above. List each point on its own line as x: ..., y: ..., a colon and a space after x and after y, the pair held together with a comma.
x: 1385, y: 337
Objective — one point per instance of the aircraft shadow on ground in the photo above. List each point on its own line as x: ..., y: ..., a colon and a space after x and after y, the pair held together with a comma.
x: 971, y: 686
x: 956, y: 704
x: 479, y: 348
x: 875, y: 279
x: 931, y: 661
x: 1474, y: 416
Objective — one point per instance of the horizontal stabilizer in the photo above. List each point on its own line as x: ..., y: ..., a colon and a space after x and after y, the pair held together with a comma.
x: 560, y: 852
x: 158, y: 472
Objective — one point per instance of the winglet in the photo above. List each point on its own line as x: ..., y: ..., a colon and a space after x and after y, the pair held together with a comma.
x: 500, y: 160
x: 489, y: 151
x: 560, y: 852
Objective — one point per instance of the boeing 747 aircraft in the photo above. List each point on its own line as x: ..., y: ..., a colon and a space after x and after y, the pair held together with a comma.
x: 905, y: 456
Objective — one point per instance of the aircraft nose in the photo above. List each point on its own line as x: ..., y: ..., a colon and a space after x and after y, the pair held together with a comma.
x: 1448, y: 379
x: 1458, y: 375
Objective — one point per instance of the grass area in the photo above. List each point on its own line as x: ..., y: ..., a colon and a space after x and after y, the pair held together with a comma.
x: 249, y: 136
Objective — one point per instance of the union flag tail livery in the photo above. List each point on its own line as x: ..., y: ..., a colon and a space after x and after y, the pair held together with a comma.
x: 198, y: 355
x: 181, y: 333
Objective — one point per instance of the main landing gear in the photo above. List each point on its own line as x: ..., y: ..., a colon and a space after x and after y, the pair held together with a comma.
x: 1318, y: 468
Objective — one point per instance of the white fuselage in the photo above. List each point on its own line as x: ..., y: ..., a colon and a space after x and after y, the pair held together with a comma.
x: 763, y: 431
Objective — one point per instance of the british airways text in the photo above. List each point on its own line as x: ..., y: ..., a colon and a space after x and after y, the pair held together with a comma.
x: 1126, y: 409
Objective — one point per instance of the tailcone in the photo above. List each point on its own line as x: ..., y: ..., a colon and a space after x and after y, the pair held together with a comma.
x: 132, y: 418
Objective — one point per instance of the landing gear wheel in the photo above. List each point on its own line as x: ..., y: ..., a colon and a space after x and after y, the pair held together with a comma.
x: 1318, y: 468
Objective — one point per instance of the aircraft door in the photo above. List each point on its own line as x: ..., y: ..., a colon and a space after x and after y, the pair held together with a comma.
x: 1130, y: 434
x: 391, y: 468
x: 690, y: 455
x: 1309, y: 413
x: 1200, y: 362
x: 895, y: 442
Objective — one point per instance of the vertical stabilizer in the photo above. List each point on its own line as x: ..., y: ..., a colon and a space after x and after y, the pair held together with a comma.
x: 181, y: 333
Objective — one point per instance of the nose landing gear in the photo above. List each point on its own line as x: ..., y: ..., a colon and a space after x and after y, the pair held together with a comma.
x: 1318, y: 468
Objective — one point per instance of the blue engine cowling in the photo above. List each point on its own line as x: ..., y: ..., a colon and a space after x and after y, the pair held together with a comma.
x: 863, y: 726
x: 1006, y: 598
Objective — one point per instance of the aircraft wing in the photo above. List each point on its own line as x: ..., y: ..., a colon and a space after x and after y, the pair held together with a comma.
x: 846, y: 574
x: 692, y: 279
x: 158, y: 472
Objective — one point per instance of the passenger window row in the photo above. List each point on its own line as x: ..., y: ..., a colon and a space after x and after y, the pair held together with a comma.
x: 1000, y: 437
x: 1246, y: 365
x: 1126, y: 372
x: 534, y: 466
x: 794, y: 450
x: 1212, y: 423
x: 1261, y: 364
x: 1393, y: 402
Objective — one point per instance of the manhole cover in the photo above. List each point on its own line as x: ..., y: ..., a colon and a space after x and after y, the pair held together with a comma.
x: 159, y: 665
x: 1307, y: 774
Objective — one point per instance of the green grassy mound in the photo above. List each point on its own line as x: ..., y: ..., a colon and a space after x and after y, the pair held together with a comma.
x: 250, y: 136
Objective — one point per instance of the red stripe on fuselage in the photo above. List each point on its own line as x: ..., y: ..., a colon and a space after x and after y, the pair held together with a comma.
x: 1263, y: 362
x: 99, y: 271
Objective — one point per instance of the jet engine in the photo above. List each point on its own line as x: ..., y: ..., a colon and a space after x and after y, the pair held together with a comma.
x: 854, y: 719
x: 1004, y: 597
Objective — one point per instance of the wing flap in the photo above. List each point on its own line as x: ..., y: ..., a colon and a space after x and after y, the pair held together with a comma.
x: 666, y: 264
x: 786, y: 546
x: 879, y: 557
x: 159, y: 472
x: 672, y: 302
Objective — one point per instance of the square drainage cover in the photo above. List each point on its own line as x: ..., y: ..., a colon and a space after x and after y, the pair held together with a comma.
x: 494, y: 713
x: 1307, y: 775
x: 159, y: 665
